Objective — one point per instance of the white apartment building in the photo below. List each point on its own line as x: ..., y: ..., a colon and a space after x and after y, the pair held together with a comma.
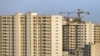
x: 76, y: 35
x: 31, y: 34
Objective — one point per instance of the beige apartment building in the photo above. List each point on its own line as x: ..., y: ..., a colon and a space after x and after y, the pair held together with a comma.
x: 77, y: 35
x: 95, y: 48
x: 6, y: 36
x: 31, y: 34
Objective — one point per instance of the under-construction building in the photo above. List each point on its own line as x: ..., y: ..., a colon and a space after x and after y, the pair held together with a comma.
x: 77, y: 36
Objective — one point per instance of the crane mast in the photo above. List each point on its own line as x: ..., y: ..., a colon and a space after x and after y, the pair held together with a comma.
x: 81, y: 12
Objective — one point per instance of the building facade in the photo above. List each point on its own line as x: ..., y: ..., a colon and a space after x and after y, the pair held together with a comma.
x: 95, y: 48
x: 31, y: 35
x: 6, y: 36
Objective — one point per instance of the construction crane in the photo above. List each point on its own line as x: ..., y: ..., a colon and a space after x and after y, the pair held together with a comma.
x: 65, y: 13
x: 81, y: 12
x: 78, y: 13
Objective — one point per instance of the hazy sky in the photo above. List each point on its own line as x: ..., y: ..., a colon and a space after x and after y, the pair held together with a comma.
x: 8, y: 7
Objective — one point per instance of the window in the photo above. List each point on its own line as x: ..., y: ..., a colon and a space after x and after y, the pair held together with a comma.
x: 56, y: 24
x: 56, y: 33
x: 44, y: 20
x: 39, y: 17
x: 34, y: 17
x: 56, y: 30
x: 56, y: 17
x: 56, y: 20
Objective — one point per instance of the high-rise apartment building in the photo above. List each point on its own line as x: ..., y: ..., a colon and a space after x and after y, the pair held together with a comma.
x: 6, y: 36
x: 76, y: 35
x: 31, y: 35
x: 97, y: 33
x: 95, y: 48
